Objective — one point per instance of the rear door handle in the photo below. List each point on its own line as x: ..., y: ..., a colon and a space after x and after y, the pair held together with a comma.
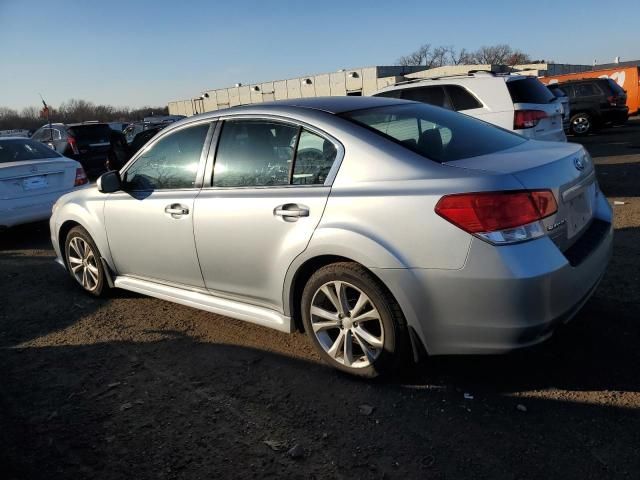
x: 291, y: 211
x: 176, y: 210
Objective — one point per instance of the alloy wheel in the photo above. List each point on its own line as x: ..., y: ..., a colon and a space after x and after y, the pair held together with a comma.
x: 581, y: 125
x: 347, y: 324
x: 83, y: 263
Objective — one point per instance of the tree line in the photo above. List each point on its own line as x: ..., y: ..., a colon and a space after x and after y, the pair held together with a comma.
x: 72, y: 111
x: 432, y: 56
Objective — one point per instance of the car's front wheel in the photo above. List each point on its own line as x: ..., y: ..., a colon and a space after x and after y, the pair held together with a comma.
x: 581, y: 124
x: 83, y: 261
x: 353, y: 321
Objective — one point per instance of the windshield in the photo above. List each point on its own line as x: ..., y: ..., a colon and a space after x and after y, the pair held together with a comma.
x: 438, y: 134
x: 19, y: 150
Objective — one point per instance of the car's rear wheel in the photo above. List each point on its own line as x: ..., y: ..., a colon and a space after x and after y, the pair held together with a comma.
x: 353, y: 321
x: 83, y: 261
x: 581, y: 124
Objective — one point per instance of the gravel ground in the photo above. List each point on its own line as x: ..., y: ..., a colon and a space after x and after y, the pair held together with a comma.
x: 134, y: 387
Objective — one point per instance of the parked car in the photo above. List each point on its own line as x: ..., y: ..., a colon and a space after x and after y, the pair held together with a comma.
x: 566, y: 106
x: 377, y: 225
x: 32, y: 178
x: 595, y: 102
x: 516, y: 102
x: 118, y: 126
x: 90, y: 143
x: 138, y: 141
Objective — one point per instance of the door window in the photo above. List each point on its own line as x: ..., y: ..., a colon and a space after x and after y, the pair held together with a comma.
x: 254, y: 153
x: 171, y: 163
x: 586, y: 90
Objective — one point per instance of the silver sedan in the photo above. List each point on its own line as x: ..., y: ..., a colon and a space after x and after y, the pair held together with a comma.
x: 383, y: 228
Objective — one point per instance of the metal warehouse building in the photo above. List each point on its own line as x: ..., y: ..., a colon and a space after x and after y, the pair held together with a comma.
x: 355, y: 81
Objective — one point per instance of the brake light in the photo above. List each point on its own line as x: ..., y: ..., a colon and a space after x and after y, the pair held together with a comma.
x: 499, y: 217
x: 527, y: 118
x: 81, y: 177
x: 614, y: 100
x: 71, y: 141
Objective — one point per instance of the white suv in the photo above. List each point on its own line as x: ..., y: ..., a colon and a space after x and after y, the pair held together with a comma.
x: 515, y: 102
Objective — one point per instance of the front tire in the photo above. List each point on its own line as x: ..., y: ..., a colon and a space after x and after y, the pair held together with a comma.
x: 83, y: 261
x: 353, y: 321
x: 581, y: 124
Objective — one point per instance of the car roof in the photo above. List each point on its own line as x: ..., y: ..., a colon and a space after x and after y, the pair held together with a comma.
x: 335, y: 105
x: 14, y: 138
x: 85, y: 124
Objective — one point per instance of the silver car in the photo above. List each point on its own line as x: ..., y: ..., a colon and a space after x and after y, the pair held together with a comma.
x: 381, y: 227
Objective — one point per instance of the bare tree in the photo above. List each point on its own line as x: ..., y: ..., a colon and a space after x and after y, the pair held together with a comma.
x: 426, y: 55
x: 431, y: 57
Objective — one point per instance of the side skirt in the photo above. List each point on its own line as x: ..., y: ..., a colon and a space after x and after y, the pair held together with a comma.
x: 221, y: 306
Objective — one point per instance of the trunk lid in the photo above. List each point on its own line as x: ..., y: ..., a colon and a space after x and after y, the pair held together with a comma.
x: 36, y: 177
x: 564, y: 168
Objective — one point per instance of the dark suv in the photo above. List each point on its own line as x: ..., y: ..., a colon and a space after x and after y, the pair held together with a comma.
x: 90, y: 143
x: 595, y: 102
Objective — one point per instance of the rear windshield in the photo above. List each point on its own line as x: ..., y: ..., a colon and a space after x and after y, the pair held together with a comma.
x: 19, y: 150
x: 100, y: 133
x: 438, y: 134
x: 529, y: 90
x: 615, y: 88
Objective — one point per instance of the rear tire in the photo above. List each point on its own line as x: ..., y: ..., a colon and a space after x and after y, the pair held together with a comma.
x: 353, y: 321
x: 581, y: 124
x: 84, y: 262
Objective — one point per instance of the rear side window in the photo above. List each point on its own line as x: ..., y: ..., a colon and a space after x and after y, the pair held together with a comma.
x: 21, y: 150
x: 615, y: 88
x: 434, y: 133
x: 264, y: 153
x: 100, y: 133
x: 431, y: 95
x: 462, y: 99
x: 586, y: 90
x: 389, y: 94
x: 529, y: 90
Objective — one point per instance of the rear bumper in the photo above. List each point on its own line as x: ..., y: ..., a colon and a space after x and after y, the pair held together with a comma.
x: 28, y: 209
x: 504, y: 298
x: 615, y: 114
x: 550, y: 136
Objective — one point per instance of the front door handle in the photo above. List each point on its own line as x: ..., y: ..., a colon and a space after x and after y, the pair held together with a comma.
x: 291, y: 211
x: 176, y: 210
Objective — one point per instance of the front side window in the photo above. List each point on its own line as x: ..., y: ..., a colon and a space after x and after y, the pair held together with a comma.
x: 434, y: 133
x: 171, y: 163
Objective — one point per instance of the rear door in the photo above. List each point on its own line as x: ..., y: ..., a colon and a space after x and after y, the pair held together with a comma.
x: 530, y: 95
x: 267, y: 194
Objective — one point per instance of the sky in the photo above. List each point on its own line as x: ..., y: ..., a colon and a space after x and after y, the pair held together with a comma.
x: 143, y: 52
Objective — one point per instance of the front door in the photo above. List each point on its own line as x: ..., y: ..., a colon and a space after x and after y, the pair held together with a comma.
x: 150, y: 224
x: 270, y: 185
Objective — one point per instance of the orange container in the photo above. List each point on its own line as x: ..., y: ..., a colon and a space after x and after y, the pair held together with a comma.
x: 626, y: 77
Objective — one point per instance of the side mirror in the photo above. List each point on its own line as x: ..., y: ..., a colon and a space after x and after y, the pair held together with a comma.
x: 109, y: 182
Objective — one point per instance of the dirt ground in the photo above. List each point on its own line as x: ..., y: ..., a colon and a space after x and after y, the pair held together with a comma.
x: 134, y: 387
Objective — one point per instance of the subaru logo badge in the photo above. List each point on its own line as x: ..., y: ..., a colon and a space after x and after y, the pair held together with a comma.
x: 579, y: 164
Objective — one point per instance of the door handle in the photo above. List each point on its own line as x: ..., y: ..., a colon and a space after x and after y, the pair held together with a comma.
x: 291, y: 211
x: 176, y: 210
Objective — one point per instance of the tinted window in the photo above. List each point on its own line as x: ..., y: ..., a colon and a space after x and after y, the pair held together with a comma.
x: 615, y: 88
x: 47, y: 134
x: 431, y: 95
x: 314, y: 159
x: 97, y: 133
x: 254, y: 153
x: 462, y: 99
x: 437, y: 134
x: 24, y: 149
x: 529, y: 90
x: 389, y: 94
x: 171, y: 163
x: 586, y: 90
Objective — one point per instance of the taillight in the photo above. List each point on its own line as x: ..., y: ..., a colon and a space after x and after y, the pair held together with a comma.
x: 81, y: 177
x: 499, y: 217
x: 615, y: 100
x: 71, y: 141
x: 527, y: 118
